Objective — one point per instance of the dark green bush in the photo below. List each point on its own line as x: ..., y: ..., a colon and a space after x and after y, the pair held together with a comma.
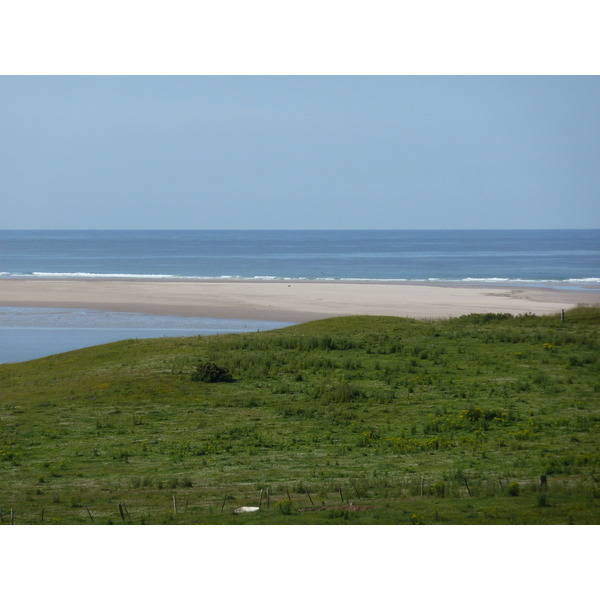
x: 211, y: 373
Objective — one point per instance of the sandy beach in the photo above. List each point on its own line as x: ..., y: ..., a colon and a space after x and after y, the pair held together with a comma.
x: 296, y: 301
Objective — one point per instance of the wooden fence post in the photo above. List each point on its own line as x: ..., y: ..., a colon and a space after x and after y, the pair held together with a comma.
x: 467, y: 484
x: 175, y: 503
x: 121, y: 511
x: 308, y: 494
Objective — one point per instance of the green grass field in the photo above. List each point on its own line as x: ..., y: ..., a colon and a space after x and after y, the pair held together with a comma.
x: 353, y: 420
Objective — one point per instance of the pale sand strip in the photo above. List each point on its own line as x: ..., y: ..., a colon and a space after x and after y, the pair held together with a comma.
x: 295, y: 301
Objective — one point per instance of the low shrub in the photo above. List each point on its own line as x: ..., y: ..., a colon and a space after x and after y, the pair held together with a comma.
x: 514, y: 489
x: 285, y: 507
x: 211, y: 373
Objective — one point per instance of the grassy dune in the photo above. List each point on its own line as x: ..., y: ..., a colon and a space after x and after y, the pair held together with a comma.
x: 374, y: 420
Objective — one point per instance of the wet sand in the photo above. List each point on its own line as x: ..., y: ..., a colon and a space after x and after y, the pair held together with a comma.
x: 295, y: 301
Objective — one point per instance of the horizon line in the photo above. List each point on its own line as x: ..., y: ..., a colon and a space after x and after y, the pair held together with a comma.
x: 303, y: 229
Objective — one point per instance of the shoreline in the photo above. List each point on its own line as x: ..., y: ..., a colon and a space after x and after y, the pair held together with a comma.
x: 293, y: 300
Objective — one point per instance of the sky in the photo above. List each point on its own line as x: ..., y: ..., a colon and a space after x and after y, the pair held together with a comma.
x: 299, y: 152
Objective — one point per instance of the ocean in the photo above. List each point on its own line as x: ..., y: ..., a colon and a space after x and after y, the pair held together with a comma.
x: 550, y: 258
x: 535, y: 256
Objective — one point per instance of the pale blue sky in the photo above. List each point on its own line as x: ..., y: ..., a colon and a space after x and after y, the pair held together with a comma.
x: 359, y: 152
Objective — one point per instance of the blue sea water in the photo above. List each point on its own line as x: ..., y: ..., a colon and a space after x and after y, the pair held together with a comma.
x: 28, y: 333
x: 457, y: 255
x: 562, y: 258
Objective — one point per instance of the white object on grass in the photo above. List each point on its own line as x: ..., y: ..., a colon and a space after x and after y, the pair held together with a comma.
x: 246, y: 509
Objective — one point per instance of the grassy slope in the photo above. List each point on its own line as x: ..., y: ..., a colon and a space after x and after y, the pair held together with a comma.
x: 428, y: 422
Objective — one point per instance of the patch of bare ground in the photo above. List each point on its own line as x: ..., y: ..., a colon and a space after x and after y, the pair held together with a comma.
x: 348, y: 507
